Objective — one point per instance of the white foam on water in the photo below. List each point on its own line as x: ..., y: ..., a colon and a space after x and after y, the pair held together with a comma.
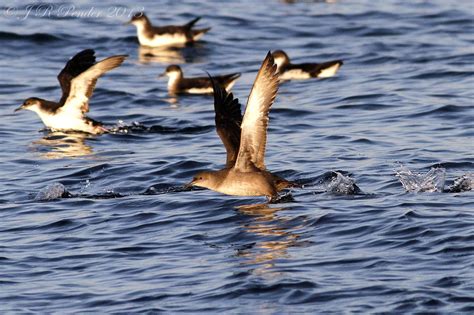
x: 341, y: 185
x: 433, y: 181
x: 51, y: 192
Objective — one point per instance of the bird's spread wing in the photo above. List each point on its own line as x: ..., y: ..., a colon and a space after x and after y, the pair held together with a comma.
x: 83, y: 85
x: 254, y: 125
x: 228, y: 121
x: 75, y: 66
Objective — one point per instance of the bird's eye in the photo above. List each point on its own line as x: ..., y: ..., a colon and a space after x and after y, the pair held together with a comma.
x: 200, y: 178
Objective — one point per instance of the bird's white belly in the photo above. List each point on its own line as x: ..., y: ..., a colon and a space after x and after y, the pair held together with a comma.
x: 198, y: 36
x: 199, y: 90
x: 66, y: 122
x: 295, y: 74
x: 329, y: 72
x: 162, y: 40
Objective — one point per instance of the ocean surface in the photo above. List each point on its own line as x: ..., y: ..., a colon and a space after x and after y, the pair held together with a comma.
x: 102, y: 224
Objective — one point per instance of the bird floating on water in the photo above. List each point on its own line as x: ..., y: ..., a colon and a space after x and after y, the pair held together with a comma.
x: 178, y: 84
x: 168, y: 35
x: 245, y: 139
x: 77, y: 81
x: 291, y: 71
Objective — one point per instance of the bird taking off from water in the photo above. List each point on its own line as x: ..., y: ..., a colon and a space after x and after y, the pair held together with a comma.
x: 77, y: 81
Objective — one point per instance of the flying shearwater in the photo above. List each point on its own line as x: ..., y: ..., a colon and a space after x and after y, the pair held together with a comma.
x: 77, y: 81
x: 245, y: 139
x: 290, y: 71
x: 168, y: 35
x: 178, y: 84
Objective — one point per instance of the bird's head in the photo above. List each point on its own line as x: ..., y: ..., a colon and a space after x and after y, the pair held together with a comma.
x: 138, y: 19
x: 280, y: 58
x: 205, y: 179
x: 172, y: 71
x: 32, y: 103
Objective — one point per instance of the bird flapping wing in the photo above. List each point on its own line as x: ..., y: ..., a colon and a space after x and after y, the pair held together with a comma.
x: 254, y: 125
x: 228, y: 120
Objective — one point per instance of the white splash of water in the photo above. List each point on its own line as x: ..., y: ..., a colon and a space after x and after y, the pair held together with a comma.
x: 341, y: 185
x: 463, y: 183
x: 433, y: 181
x: 51, y: 192
x: 85, y: 186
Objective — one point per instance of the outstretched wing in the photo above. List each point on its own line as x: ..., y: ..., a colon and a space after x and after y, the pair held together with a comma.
x: 228, y: 121
x: 75, y: 66
x: 254, y: 125
x: 83, y: 85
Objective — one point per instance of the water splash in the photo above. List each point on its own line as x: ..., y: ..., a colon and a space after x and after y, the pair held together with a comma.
x: 137, y: 127
x: 122, y: 128
x: 85, y: 186
x: 51, y: 192
x: 340, y: 184
x: 433, y: 181
x: 333, y: 182
x: 463, y: 183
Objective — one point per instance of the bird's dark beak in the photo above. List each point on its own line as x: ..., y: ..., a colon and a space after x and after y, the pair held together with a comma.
x: 128, y: 22
x: 189, y: 185
x: 19, y: 108
x: 162, y: 75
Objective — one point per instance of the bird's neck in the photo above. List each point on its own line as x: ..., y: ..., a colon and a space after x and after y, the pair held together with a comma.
x: 173, y: 79
x: 143, y: 28
x: 281, y: 64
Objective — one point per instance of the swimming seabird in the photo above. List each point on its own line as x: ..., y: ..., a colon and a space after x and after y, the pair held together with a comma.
x: 245, y: 139
x: 168, y: 35
x: 290, y: 71
x: 77, y: 81
x: 178, y: 84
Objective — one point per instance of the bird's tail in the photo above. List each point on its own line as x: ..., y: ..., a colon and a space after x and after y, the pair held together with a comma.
x: 191, y: 23
x: 230, y: 79
x: 197, y: 34
x: 329, y: 68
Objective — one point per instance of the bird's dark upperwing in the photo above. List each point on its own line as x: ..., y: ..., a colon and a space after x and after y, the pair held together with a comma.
x: 254, y: 125
x: 228, y: 121
x: 75, y: 66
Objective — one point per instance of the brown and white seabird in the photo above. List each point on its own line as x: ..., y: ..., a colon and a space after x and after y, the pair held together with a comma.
x: 178, y: 84
x: 77, y: 80
x: 168, y: 35
x: 245, y: 139
x: 291, y: 71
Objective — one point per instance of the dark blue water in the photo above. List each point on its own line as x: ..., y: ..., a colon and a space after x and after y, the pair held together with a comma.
x: 403, y: 97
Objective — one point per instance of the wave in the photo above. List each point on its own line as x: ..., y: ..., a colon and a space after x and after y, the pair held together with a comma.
x: 35, y: 37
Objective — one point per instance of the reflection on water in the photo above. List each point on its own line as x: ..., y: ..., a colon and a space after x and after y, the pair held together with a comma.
x: 277, y: 236
x: 172, y: 100
x: 160, y: 55
x: 59, y: 145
